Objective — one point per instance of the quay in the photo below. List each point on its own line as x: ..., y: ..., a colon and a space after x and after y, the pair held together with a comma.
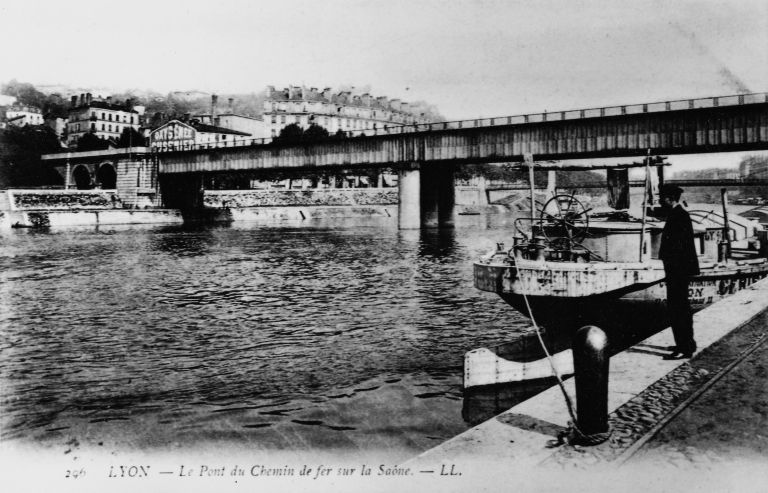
x: 646, y: 395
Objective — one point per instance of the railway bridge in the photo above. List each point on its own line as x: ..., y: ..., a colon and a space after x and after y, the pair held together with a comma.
x: 426, y: 155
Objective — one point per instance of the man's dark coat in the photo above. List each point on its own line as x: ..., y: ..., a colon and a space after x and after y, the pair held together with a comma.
x: 677, y: 248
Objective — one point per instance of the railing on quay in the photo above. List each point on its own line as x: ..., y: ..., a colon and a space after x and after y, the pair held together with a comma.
x: 658, y: 107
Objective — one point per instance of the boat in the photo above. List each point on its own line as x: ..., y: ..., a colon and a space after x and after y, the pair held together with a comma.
x: 570, y: 265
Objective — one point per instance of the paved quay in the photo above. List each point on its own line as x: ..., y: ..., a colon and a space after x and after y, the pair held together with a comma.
x: 679, y: 420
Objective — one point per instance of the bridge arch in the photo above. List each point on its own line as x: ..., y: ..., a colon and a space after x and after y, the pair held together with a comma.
x: 81, y: 176
x: 106, y: 176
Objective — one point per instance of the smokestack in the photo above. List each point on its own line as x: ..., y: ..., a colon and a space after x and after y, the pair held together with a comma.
x: 214, y: 100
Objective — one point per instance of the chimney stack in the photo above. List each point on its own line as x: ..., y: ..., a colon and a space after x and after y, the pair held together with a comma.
x: 232, y: 105
x: 73, y: 101
x: 214, y: 100
x: 109, y: 100
x: 82, y: 99
x: 88, y: 98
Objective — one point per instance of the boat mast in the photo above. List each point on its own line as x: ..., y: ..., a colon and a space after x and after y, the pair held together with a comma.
x: 645, y: 202
x: 529, y: 162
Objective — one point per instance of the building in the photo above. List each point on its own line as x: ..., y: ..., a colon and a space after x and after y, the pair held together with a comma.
x: 248, y: 124
x: 177, y: 134
x: 21, y: 116
x: 102, y: 117
x: 754, y: 167
x: 345, y: 111
x: 59, y: 125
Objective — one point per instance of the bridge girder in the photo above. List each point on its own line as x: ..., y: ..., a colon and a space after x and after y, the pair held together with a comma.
x: 692, y: 131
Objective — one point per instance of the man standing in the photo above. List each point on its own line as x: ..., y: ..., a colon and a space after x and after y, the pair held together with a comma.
x: 678, y: 253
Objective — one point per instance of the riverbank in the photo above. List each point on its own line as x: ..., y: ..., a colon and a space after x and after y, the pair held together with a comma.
x: 64, y: 208
x: 646, y: 394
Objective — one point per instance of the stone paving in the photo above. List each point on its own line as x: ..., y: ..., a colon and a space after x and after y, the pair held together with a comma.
x: 640, y: 416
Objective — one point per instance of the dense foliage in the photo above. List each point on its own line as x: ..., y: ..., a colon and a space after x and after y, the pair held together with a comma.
x: 20, y: 150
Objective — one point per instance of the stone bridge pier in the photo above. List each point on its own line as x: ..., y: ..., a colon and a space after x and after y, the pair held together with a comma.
x: 426, y: 196
x: 183, y: 192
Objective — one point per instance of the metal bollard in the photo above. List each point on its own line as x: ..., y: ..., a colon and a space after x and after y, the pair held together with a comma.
x: 590, y: 362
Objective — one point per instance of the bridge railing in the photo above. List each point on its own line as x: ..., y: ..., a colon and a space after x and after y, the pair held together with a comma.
x: 673, y: 105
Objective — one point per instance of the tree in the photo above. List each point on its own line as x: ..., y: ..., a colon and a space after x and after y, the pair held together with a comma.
x: 90, y: 142
x: 24, y: 92
x: 290, y: 134
x: 131, y: 138
x: 20, y: 151
x: 315, y: 133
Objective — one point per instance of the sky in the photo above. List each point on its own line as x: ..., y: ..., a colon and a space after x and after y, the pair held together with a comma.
x: 469, y: 58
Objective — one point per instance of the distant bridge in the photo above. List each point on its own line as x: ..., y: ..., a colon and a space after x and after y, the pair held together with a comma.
x: 640, y: 183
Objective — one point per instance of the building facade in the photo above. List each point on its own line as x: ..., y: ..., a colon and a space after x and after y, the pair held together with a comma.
x: 21, y: 116
x: 179, y: 135
x: 334, y: 111
x: 102, y: 117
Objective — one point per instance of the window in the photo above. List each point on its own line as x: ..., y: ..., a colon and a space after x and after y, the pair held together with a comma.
x: 110, y: 128
x: 93, y: 127
x: 102, y: 116
x: 274, y: 118
x: 282, y: 118
x: 102, y: 127
x: 109, y: 117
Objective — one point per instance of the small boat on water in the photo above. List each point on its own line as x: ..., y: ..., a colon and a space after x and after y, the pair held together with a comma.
x: 571, y: 266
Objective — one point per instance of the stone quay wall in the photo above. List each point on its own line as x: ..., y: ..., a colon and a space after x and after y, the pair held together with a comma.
x: 281, y: 198
x: 65, y: 200
x: 32, y: 200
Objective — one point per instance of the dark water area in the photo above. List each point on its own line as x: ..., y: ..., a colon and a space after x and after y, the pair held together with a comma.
x: 104, y: 325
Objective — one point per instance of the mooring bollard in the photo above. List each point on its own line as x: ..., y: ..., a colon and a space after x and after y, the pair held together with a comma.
x: 590, y: 363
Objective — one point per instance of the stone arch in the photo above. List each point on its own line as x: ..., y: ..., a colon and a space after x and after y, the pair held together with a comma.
x: 81, y: 176
x: 106, y: 176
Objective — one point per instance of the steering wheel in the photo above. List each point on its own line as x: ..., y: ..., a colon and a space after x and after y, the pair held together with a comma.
x: 564, y: 220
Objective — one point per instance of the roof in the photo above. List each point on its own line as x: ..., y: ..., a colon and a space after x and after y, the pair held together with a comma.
x: 202, y: 127
x: 234, y: 114
x: 104, y: 106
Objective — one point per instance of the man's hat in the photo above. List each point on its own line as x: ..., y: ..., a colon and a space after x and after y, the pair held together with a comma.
x: 669, y: 190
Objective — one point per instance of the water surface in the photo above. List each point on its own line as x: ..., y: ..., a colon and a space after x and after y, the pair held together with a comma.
x: 189, y: 325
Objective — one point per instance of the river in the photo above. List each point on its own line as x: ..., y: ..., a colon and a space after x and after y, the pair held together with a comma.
x: 347, y: 335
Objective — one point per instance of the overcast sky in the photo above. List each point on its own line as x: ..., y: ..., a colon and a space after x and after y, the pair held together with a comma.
x: 470, y: 58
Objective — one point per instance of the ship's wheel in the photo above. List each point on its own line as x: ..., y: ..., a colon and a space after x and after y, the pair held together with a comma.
x: 564, y: 221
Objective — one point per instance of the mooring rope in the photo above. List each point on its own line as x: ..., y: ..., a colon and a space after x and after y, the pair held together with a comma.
x: 572, y: 435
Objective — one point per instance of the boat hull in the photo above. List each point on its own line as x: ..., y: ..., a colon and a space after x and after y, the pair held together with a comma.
x: 628, y: 314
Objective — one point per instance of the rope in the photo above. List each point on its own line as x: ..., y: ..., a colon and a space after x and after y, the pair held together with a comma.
x: 571, y: 435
